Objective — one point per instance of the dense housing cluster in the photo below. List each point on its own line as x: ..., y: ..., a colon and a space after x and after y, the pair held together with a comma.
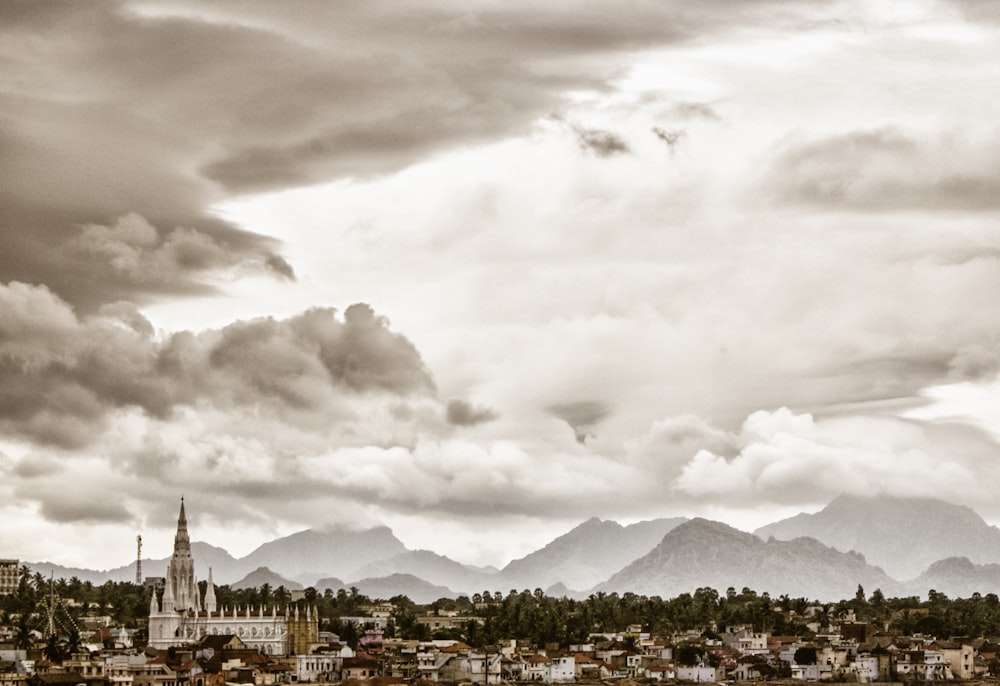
x: 54, y: 632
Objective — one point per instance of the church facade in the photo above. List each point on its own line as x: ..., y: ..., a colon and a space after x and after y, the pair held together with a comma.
x: 182, y: 617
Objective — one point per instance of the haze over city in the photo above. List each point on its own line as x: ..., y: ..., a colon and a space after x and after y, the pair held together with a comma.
x: 479, y: 271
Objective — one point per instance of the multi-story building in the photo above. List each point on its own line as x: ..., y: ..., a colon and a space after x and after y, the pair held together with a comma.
x: 9, y: 576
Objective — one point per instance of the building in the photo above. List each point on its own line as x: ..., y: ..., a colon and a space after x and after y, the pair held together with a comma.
x: 9, y: 576
x: 182, y: 617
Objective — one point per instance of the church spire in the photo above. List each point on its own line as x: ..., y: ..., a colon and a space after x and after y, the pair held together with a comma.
x: 182, y: 542
x: 180, y: 570
x: 210, y: 603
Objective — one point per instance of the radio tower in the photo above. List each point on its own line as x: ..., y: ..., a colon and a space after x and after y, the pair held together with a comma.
x: 138, y: 560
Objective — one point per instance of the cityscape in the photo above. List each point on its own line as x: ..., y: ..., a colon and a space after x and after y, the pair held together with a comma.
x: 198, y: 633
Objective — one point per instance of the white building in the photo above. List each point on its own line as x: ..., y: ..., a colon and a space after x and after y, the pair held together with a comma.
x: 181, y: 617
x: 700, y: 674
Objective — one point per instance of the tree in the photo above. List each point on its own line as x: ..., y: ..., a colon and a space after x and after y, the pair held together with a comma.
x: 806, y: 655
x: 690, y: 655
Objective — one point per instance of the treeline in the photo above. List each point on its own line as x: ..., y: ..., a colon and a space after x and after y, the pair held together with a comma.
x: 543, y: 619
x: 529, y: 615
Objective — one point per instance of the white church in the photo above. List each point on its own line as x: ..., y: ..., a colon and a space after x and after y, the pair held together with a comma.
x: 182, y: 618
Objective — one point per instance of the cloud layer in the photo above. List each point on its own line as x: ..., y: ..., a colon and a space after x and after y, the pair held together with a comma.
x: 727, y: 259
x: 64, y: 376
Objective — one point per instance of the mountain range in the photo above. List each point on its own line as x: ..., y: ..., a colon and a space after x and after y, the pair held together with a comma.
x: 902, y: 535
x: 901, y: 546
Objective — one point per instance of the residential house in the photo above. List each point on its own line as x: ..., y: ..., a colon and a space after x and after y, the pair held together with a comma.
x: 432, y: 664
x: 11, y: 675
x: 815, y: 672
x: 483, y: 668
x: 324, y: 666
x: 119, y: 670
x: 155, y: 672
x: 587, y: 668
x: 659, y: 673
x: 700, y: 673
x: 960, y: 656
x: 84, y: 665
x: 745, y: 640
x: 752, y: 668
x: 362, y: 666
x: 562, y: 669
x: 537, y: 668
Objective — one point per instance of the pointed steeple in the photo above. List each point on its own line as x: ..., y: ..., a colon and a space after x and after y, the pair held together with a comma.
x: 210, y: 594
x: 154, y: 608
x: 168, y: 591
x: 182, y: 542
x: 181, y: 584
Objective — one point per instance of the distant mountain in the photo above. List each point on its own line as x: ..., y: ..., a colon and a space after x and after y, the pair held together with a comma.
x: 225, y: 567
x: 334, y: 552
x: 901, y: 535
x: 561, y: 591
x: 417, y: 590
x: 663, y: 557
x: 957, y: 577
x: 431, y: 567
x: 332, y: 583
x: 705, y: 553
x: 261, y: 576
x: 586, y: 555
x: 54, y: 571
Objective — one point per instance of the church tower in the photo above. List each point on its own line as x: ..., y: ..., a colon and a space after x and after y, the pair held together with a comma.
x: 181, y: 618
x: 181, y: 586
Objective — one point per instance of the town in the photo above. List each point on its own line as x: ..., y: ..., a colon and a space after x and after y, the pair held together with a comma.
x: 67, y: 632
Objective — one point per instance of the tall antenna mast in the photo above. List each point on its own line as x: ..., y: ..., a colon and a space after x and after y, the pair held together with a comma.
x: 138, y: 560
x: 52, y: 605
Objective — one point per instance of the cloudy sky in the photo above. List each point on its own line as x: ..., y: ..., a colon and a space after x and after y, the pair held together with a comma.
x: 480, y: 270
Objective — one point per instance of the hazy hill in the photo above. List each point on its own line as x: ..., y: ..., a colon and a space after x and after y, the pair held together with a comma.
x: 261, y: 576
x: 561, y: 591
x: 431, y: 567
x: 957, y: 577
x: 334, y: 552
x: 225, y: 568
x: 94, y: 576
x: 901, y: 535
x: 417, y: 590
x: 332, y: 583
x: 586, y: 555
x: 705, y: 553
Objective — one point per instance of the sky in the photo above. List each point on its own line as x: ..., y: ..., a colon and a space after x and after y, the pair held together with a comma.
x: 480, y: 270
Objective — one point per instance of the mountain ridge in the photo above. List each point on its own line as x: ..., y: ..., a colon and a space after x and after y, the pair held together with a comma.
x: 904, y: 536
x: 602, y: 554
x: 703, y: 553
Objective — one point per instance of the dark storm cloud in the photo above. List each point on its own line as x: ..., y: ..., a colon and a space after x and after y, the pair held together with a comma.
x: 140, y: 255
x: 83, y: 508
x: 114, y: 109
x: 601, y: 143
x: 286, y: 357
x: 669, y: 136
x: 36, y: 466
x: 975, y: 362
x: 885, y: 169
x: 582, y: 415
x: 61, y: 376
x: 463, y: 413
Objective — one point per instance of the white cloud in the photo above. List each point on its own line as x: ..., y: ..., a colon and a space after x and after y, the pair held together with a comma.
x: 821, y: 237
